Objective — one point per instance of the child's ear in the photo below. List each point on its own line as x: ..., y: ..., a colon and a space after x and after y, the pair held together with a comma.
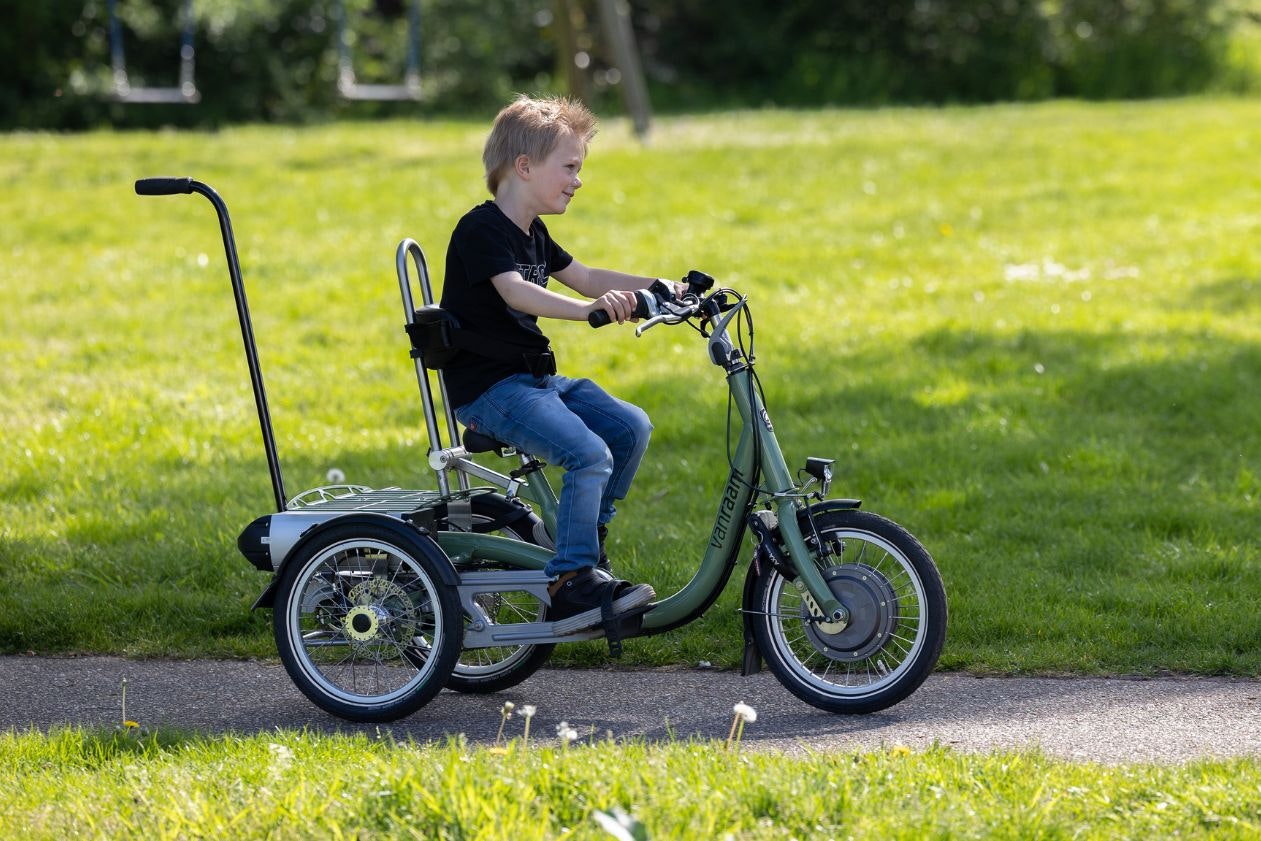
x: 522, y: 166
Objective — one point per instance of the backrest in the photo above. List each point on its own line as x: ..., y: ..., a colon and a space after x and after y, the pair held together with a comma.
x: 431, y: 331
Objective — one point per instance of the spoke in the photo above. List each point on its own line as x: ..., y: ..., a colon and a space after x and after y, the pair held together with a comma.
x: 910, y: 643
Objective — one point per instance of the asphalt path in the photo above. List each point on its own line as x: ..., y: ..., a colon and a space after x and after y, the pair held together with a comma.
x: 1096, y: 719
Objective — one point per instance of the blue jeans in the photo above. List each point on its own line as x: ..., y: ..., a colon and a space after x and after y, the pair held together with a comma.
x: 574, y: 424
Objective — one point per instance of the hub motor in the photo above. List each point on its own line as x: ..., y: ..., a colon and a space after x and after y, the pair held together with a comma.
x: 873, y: 614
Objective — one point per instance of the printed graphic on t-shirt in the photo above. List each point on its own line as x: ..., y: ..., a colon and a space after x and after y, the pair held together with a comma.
x: 536, y: 274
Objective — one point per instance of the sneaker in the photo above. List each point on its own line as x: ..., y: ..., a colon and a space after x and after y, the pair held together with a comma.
x: 579, y: 599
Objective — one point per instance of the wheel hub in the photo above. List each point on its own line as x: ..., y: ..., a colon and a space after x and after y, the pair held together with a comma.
x: 361, y: 623
x: 873, y: 614
x: 381, y: 608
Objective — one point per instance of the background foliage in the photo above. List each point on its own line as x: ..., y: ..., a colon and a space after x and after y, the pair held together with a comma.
x: 276, y: 59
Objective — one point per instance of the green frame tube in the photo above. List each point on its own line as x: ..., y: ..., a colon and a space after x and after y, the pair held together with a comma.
x: 757, y: 437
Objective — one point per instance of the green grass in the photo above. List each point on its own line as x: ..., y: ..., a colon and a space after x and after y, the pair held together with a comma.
x: 75, y: 783
x: 1029, y: 333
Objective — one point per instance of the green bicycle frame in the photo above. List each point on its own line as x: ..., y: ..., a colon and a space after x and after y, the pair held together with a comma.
x: 757, y: 459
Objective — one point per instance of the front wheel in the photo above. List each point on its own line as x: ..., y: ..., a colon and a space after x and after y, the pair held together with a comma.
x: 364, y: 624
x: 897, y: 616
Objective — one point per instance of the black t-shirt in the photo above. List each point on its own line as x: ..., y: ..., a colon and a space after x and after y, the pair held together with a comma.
x: 486, y: 243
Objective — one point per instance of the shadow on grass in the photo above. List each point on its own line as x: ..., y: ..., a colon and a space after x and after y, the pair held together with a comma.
x: 1088, y: 497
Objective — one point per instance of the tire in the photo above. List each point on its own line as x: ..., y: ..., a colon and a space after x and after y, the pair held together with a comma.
x: 897, y: 626
x: 364, y: 624
x: 486, y: 670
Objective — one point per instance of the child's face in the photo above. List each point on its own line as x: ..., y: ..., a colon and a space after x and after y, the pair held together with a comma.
x: 555, y: 180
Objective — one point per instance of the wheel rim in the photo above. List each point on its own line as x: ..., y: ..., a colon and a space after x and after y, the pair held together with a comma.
x: 505, y: 608
x: 363, y: 622
x: 885, y: 596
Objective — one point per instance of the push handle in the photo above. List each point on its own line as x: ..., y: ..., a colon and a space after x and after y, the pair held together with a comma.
x: 163, y: 186
x: 178, y: 186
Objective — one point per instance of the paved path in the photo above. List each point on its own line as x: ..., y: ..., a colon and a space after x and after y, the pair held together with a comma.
x: 1107, y: 720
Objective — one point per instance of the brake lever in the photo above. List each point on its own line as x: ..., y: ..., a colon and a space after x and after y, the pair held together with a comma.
x: 669, y: 312
x: 652, y: 322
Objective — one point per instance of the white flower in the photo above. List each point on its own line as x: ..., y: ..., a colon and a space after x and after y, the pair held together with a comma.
x: 528, y: 710
x: 281, y: 754
x: 747, y: 713
x: 335, y: 476
x: 565, y: 733
x: 507, y: 709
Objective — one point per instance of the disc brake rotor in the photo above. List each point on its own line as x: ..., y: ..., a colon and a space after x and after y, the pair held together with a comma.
x: 873, y: 614
x: 381, y: 610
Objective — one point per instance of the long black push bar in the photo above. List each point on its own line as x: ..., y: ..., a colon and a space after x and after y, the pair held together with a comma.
x: 180, y: 186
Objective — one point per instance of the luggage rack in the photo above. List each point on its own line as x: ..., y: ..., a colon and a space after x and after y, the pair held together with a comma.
x: 346, y: 498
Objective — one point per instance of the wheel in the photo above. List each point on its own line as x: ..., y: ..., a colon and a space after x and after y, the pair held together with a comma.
x: 484, y: 670
x: 364, y: 625
x: 897, y: 622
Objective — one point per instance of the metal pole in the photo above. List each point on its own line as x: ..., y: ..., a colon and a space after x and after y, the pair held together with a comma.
x: 615, y: 15
x: 247, y: 336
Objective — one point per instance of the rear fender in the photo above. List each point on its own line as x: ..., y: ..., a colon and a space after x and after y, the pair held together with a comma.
x: 412, y: 539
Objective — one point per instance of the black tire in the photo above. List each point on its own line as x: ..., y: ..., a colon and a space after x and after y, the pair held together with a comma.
x: 485, y: 670
x: 364, y: 624
x: 897, y: 605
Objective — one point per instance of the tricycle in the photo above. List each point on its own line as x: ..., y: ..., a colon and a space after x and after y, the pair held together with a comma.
x: 383, y: 597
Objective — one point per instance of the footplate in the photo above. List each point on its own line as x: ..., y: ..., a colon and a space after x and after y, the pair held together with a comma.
x: 483, y: 632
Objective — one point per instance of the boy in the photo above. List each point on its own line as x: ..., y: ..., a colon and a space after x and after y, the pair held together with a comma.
x: 498, y: 265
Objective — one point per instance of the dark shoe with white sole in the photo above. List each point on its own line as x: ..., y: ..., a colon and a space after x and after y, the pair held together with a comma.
x: 589, y: 597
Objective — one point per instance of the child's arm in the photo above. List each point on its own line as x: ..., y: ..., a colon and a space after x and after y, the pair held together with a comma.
x: 595, y: 282
x: 533, y: 299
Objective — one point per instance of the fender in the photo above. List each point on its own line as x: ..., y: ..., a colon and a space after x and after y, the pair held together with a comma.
x: 410, y: 538
x: 832, y: 505
x: 752, y: 660
x: 751, y: 664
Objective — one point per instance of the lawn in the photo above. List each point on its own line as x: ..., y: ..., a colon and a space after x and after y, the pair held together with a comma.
x: 297, y: 785
x: 1029, y: 333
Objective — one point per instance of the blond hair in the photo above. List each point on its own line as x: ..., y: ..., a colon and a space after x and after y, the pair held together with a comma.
x: 532, y: 127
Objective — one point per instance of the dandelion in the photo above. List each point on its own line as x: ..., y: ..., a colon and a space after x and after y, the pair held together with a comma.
x: 505, y: 713
x: 744, y: 714
x: 127, y: 725
x: 527, y: 712
x: 335, y: 476
x: 282, y: 755
x: 566, y: 734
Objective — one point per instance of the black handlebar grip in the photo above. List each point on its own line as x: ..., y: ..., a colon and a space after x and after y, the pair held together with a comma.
x: 599, y: 318
x: 163, y: 186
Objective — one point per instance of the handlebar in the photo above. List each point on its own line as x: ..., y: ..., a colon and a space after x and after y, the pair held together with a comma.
x: 653, y: 302
x: 644, y: 307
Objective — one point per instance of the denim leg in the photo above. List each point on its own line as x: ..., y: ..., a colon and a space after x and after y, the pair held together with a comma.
x: 624, y: 428
x: 526, y: 412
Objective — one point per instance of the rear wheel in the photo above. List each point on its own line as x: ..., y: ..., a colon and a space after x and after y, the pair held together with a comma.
x: 364, y: 624
x: 897, y: 617
x: 484, y: 670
